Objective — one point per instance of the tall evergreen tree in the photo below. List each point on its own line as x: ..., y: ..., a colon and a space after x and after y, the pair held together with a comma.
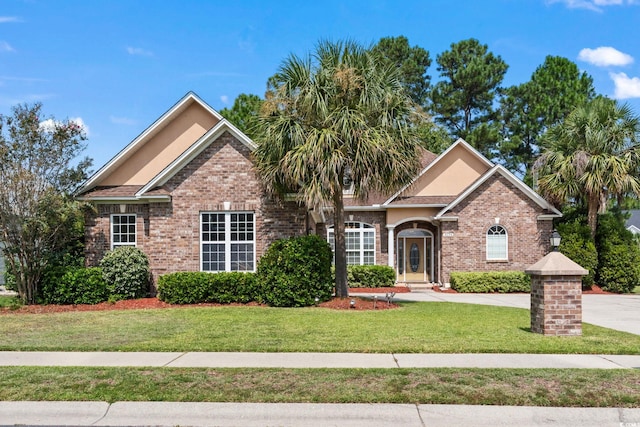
x: 528, y: 110
x: 463, y: 100
x: 412, y: 64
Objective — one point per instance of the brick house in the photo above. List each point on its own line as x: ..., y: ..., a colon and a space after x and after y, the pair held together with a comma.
x: 186, y: 193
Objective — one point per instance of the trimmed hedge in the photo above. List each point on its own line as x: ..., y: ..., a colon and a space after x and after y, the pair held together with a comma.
x: 75, y: 285
x: 492, y: 281
x: 294, y: 272
x: 370, y: 276
x: 197, y: 287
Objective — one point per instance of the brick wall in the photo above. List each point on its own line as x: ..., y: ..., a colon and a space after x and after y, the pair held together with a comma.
x: 464, y: 240
x: 169, y: 233
x: 556, y: 305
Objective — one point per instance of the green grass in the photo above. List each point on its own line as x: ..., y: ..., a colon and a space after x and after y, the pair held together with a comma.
x: 535, y: 387
x: 636, y: 290
x: 414, y: 328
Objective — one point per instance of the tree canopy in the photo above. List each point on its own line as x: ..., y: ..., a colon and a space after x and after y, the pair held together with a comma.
x: 529, y: 109
x: 38, y: 174
x: 244, y: 113
x: 592, y: 155
x: 336, y: 113
x: 463, y: 100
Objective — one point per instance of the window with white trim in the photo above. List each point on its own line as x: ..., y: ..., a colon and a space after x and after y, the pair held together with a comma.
x: 360, y: 241
x: 227, y: 241
x: 123, y: 230
x: 497, y: 243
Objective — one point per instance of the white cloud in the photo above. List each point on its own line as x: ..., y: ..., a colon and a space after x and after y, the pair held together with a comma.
x: 594, y: 5
x: 49, y: 125
x: 626, y: 87
x: 5, y: 19
x: 605, y: 56
x: 6, y: 47
x: 224, y: 99
x: 138, y: 51
x: 122, y: 120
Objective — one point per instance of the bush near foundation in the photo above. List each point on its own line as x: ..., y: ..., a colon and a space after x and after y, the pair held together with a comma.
x: 294, y: 272
x: 74, y: 285
x: 126, y: 271
x: 370, y: 276
x: 491, y: 281
x: 202, y: 287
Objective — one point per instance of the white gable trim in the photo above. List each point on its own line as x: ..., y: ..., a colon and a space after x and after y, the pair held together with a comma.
x: 460, y: 141
x: 141, y: 139
x: 192, y: 152
x: 515, y: 181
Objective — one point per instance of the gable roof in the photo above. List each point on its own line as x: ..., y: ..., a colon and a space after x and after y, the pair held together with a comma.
x: 119, y: 159
x: 192, y: 152
x: 498, y: 169
x: 460, y: 142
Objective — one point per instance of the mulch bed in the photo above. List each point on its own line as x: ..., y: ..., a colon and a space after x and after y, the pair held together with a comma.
x: 154, y: 303
x: 361, y: 304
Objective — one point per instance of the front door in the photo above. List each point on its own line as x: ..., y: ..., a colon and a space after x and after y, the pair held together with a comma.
x: 415, y: 256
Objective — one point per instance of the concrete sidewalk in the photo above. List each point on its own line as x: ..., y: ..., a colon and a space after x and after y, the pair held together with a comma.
x: 305, y: 414
x: 317, y: 360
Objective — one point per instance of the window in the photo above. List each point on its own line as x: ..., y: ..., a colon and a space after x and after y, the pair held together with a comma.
x: 497, y: 243
x: 123, y: 230
x: 228, y: 241
x: 360, y: 242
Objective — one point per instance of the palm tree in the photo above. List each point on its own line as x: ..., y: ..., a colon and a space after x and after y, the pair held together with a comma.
x: 591, y: 156
x: 334, y: 114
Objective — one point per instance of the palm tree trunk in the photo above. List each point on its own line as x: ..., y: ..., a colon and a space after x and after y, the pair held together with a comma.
x: 342, y: 288
x: 593, y: 205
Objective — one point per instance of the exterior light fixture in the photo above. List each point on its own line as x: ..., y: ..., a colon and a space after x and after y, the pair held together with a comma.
x: 555, y: 240
x: 352, y: 303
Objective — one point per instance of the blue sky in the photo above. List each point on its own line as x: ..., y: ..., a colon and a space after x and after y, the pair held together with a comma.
x: 117, y: 65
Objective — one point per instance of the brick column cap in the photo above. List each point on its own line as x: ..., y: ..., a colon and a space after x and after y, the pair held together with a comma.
x: 556, y: 264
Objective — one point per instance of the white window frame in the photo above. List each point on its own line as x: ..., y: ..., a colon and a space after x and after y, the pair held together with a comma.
x: 227, y: 242
x: 359, y: 229
x: 112, y: 234
x: 497, y: 234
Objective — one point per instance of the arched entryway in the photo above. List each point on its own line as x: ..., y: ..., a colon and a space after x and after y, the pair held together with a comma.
x: 414, y: 251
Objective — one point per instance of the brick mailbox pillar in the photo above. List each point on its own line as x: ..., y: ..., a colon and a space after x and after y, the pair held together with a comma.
x: 556, y: 295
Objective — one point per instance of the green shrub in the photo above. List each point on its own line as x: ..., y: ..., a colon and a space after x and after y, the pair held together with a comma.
x: 126, y: 271
x: 618, y: 255
x: 199, y: 287
x: 74, y: 285
x: 294, y: 272
x: 578, y: 245
x: 491, y: 281
x: 370, y: 276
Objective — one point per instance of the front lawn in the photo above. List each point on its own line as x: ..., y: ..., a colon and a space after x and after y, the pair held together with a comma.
x: 433, y: 327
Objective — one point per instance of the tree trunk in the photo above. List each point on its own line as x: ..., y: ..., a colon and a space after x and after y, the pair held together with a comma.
x: 342, y: 288
x: 593, y: 205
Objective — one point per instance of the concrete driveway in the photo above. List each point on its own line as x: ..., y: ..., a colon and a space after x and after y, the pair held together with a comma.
x: 620, y: 312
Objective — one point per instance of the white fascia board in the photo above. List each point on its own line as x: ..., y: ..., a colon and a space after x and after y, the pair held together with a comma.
x: 364, y: 208
x: 436, y: 205
x: 133, y: 145
x: 128, y: 200
x: 459, y: 141
x: 192, y: 152
x: 548, y: 217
